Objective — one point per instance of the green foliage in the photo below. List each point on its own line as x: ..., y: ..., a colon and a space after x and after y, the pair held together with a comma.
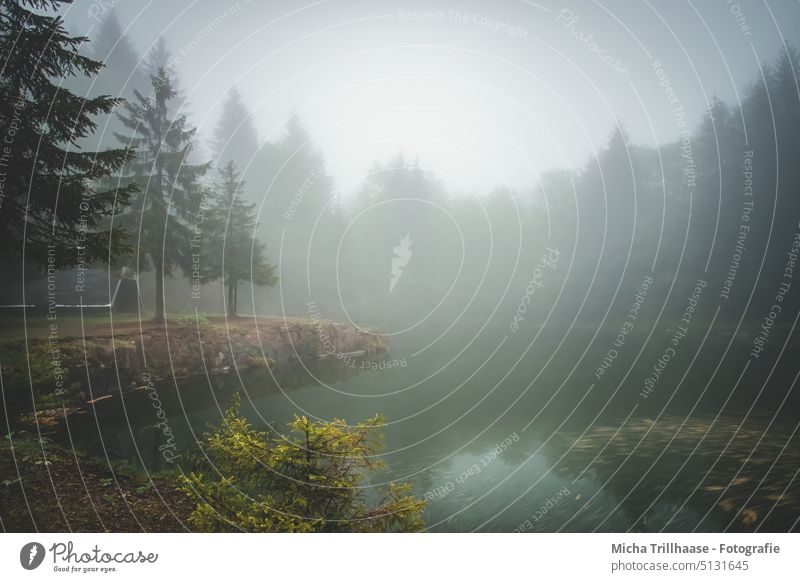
x: 164, y: 212
x: 32, y: 377
x: 240, y: 256
x: 192, y: 321
x: 23, y: 369
x: 312, y: 479
x: 32, y: 450
x: 254, y: 362
x: 70, y: 395
x: 49, y: 201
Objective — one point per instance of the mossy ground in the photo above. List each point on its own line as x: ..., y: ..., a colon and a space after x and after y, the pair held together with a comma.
x: 48, y: 488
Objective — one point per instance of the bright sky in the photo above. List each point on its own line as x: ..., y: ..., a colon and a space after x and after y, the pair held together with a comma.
x: 482, y: 92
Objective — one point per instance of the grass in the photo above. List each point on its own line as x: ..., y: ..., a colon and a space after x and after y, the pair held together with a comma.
x: 13, y: 327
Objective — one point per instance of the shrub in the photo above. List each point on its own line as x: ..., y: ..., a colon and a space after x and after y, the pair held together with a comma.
x: 311, y: 479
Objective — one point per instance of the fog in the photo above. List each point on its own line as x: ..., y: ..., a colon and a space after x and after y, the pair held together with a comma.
x: 446, y: 172
x: 443, y: 81
x: 564, y: 221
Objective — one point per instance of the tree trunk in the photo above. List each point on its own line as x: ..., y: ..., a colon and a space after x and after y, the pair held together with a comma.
x: 159, y: 268
x: 232, y: 297
x: 158, y: 260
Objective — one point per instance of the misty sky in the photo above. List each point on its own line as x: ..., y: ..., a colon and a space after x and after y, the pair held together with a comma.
x: 482, y: 92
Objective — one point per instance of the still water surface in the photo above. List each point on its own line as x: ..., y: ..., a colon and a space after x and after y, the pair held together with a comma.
x: 496, y: 441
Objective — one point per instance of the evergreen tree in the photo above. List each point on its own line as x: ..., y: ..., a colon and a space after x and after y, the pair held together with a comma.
x: 114, y: 49
x: 169, y: 189
x: 785, y: 96
x: 295, y: 138
x: 121, y: 74
x: 308, y: 480
x: 607, y: 198
x: 159, y: 57
x: 235, y: 136
x: 241, y: 257
x: 293, y: 190
x: 47, y: 199
x: 397, y: 202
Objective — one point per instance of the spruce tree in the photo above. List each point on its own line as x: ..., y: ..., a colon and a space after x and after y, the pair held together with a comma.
x: 160, y: 57
x: 121, y: 74
x: 114, y: 49
x: 240, y: 257
x: 235, y: 136
x: 169, y: 194
x: 50, y: 205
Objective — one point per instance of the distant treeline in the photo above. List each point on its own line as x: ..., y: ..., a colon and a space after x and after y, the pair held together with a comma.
x: 719, y: 204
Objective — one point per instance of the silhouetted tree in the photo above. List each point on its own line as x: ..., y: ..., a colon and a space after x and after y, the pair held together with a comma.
x: 122, y: 71
x: 235, y: 136
x: 290, y: 181
x: 160, y: 57
x: 48, y: 203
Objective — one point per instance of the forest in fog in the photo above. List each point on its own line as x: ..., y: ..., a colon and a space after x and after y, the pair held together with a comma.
x: 365, y: 267
x: 623, y: 213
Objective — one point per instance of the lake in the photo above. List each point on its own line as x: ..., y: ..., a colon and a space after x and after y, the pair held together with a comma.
x: 507, y: 434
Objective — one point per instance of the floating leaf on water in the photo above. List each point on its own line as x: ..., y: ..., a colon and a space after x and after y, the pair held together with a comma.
x: 749, y: 516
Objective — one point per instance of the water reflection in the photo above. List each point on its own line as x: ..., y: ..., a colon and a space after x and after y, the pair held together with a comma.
x: 466, y: 449
x: 670, y: 475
